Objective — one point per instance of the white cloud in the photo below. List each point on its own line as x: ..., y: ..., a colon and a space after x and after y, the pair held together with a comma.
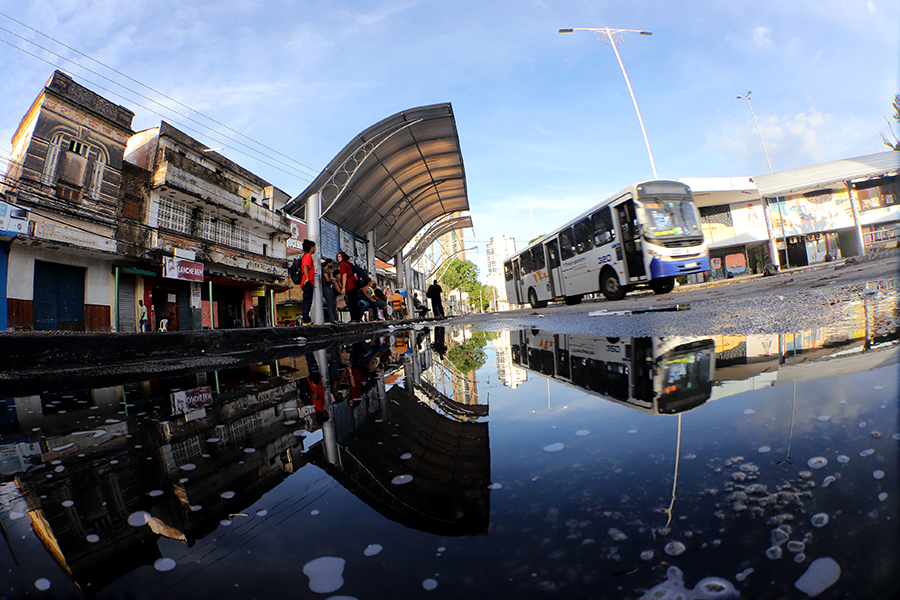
x: 762, y: 36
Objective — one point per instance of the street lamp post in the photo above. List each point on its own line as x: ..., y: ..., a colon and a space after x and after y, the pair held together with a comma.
x: 758, y: 130
x: 611, y: 37
x: 773, y: 249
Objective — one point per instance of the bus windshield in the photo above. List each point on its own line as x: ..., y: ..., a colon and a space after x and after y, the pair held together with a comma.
x: 668, y: 218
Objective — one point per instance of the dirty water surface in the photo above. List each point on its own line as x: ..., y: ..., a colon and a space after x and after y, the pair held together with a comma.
x: 456, y: 463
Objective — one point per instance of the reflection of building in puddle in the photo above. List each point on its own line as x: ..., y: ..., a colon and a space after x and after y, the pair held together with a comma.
x: 509, y: 373
x: 651, y: 374
x: 416, y: 456
x: 90, y: 466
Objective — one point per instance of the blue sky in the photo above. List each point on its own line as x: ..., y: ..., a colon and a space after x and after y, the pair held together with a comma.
x: 544, y: 119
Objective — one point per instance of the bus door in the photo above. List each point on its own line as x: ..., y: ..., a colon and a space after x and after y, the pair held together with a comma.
x: 556, y: 281
x: 517, y: 279
x: 631, y: 242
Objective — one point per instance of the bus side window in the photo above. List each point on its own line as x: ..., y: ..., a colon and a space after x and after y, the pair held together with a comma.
x: 527, y: 262
x: 566, y: 244
x: 508, y: 271
x: 539, y: 261
x: 583, y: 241
x: 553, y: 253
x: 604, y: 232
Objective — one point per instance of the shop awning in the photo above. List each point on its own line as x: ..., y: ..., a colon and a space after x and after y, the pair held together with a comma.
x: 394, y: 178
x: 827, y: 174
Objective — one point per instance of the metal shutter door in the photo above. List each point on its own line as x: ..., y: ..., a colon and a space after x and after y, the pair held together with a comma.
x: 127, y: 303
x: 184, y: 306
x: 71, y: 298
x: 46, y: 310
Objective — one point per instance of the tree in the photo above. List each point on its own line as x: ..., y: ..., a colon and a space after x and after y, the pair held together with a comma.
x: 895, y: 145
x: 470, y: 355
x: 460, y: 275
x: 480, y: 298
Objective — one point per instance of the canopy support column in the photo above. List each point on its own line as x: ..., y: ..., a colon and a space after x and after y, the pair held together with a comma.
x: 856, y: 224
x: 313, y: 205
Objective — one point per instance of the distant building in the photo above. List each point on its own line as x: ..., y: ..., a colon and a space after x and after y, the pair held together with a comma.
x: 498, y: 248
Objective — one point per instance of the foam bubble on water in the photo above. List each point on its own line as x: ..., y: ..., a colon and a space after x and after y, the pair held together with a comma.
x: 800, y: 557
x: 779, y: 536
x: 647, y: 555
x: 262, y: 512
x: 749, y: 411
x: 227, y: 495
x: 188, y: 467
x: 582, y: 432
x: 155, y: 493
x: 795, y: 546
x: 823, y: 418
x: 495, y: 486
x: 59, y: 469
x: 164, y: 564
x: 401, y: 479
x: 819, y: 520
x: 429, y: 584
x: 554, y: 447
x: 883, y: 496
x: 896, y: 436
x: 314, y: 512
x: 92, y: 538
x: 326, y: 574
x: 774, y: 552
x: 828, y: 480
x: 372, y: 549
x: 196, y: 507
x: 617, y: 534
x: 763, y: 449
x: 225, y: 522
x: 68, y: 503
x: 632, y: 431
x: 878, y: 474
x: 817, y: 462
x: 744, y: 574
x: 212, y: 440
x: 674, y: 548
x: 405, y: 456
x: 821, y: 574
x: 867, y: 452
x: 139, y: 518
x: 249, y: 450
x: 877, y: 387
x: 714, y: 588
x: 42, y: 584
x: 843, y: 459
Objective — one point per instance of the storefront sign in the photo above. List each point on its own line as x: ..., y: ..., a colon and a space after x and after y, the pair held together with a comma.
x: 13, y: 219
x: 298, y: 234
x: 178, y: 268
x: 257, y: 292
x: 59, y: 233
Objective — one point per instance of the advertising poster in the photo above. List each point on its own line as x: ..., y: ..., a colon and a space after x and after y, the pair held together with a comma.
x: 189, y: 401
x: 329, y: 239
x: 298, y: 234
x: 13, y: 219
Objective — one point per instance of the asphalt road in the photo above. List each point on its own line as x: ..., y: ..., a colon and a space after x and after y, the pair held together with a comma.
x: 794, y: 300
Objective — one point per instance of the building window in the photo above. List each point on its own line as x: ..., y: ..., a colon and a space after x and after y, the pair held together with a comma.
x: 97, y: 176
x: 48, y: 177
x: 174, y: 216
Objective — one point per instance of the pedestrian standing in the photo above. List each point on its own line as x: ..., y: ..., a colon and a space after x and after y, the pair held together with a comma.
x: 329, y: 288
x: 307, y: 282
x: 434, y: 292
x: 142, y: 318
x: 349, y: 287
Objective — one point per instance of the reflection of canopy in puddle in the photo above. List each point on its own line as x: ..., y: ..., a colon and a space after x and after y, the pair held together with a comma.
x: 450, y: 467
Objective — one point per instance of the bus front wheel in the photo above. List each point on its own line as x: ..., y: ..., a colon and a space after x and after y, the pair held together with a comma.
x: 609, y: 285
x: 663, y: 285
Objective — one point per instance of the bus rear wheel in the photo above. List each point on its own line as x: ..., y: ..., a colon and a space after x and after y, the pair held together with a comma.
x: 663, y: 285
x: 609, y: 285
x: 573, y: 300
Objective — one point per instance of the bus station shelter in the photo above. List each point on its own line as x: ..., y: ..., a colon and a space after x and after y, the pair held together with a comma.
x: 387, y: 184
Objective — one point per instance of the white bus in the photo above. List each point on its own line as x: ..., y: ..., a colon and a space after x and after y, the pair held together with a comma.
x: 645, y: 235
x: 655, y: 375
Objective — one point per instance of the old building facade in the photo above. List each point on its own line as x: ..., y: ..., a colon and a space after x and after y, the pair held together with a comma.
x: 100, y: 219
x: 65, y: 171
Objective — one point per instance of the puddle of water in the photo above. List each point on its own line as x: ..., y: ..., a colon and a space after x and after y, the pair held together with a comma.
x: 467, y: 463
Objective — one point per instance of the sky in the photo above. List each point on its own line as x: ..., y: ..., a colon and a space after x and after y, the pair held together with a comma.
x: 546, y: 125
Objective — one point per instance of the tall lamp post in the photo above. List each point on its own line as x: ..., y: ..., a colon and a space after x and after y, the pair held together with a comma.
x: 611, y: 37
x: 758, y: 130
x: 773, y: 249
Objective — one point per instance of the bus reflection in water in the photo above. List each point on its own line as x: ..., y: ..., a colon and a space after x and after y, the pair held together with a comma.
x: 645, y: 236
x: 652, y: 374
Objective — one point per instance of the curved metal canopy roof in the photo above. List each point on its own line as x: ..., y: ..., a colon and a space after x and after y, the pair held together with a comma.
x: 394, y: 178
x: 436, y: 230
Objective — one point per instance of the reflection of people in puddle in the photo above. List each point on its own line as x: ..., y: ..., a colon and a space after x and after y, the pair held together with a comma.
x: 438, y: 345
x: 312, y: 393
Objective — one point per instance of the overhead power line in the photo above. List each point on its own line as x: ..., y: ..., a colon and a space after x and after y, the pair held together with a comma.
x: 302, y: 175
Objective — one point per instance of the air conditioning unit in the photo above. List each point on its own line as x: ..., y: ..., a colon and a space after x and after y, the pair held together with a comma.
x: 73, y: 169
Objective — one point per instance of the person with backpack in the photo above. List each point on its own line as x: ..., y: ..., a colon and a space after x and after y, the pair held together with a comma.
x: 349, y: 286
